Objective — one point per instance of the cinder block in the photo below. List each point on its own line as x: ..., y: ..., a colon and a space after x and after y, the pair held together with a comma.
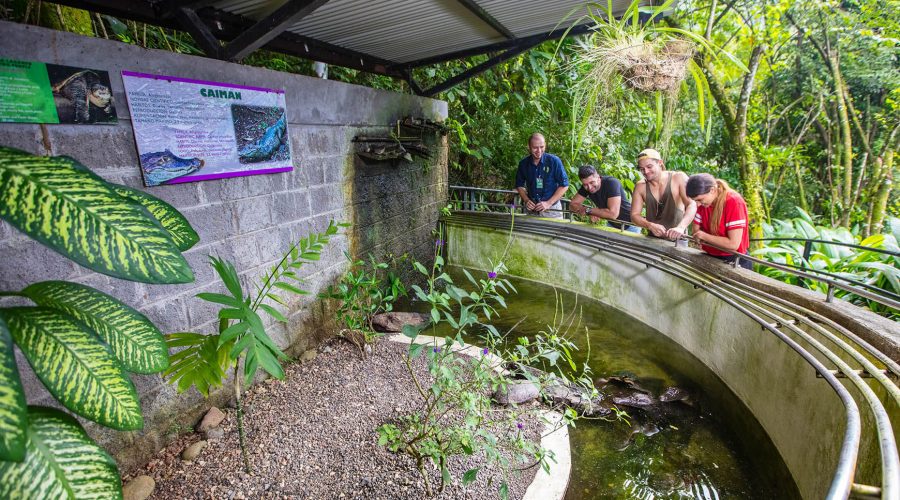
x: 180, y: 196
x: 168, y: 315
x: 26, y: 261
x: 200, y: 311
x: 254, y: 214
x: 105, y: 147
x: 315, y: 172
x: 284, y: 208
x: 220, y: 190
x: 212, y: 222
x: 245, y: 251
x: 23, y: 136
x: 258, y: 185
x: 271, y: 246
x: 336, y: 168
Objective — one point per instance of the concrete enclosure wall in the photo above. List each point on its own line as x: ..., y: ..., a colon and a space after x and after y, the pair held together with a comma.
x: 800, y: 412
x: 248, y: 220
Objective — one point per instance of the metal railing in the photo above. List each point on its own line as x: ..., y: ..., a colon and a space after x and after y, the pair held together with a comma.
x: 480, y: 200
x: 799, y: 328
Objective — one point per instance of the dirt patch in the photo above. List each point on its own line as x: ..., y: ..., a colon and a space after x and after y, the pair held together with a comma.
x: 313, y: 436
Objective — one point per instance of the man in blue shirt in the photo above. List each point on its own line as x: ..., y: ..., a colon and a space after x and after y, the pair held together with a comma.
x: 541, y: 180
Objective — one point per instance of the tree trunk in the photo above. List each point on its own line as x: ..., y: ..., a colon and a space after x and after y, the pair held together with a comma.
x: 846, y: 143
x: 879, y: 205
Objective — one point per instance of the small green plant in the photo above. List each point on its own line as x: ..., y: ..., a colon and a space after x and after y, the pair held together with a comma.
x: 369, y: 288
x: 873, y: 268
x: 205, y: 359
x: 79, y: 341
x: 457, y: 417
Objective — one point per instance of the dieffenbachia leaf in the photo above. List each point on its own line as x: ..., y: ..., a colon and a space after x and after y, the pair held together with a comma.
x: 13, y: 419
x: 61, y: 462
x: 134, y: 339
x: 65, y: 206
x: 75, y: 366
x: 171, y: 219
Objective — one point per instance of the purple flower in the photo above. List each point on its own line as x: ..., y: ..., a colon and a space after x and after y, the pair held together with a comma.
x: 519, y: 425
x: 492, y: 275
x: 484, y: 351
x: 436, y: 350
x: 439, y: 243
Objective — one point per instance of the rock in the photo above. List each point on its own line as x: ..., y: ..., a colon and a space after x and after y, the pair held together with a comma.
x: 393, y: 322
x: 308, y: 356
x: 138, y: 488
x: 570, y: 396
x: 214, y: 433
x: 517, y: 392
x: 213, y: 418
x: 193, y: 451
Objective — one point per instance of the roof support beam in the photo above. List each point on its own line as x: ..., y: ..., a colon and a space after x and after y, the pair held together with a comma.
x: 482, y: 14
x: 191, y: 22
x: 273, y: 25
x: 481, y: 68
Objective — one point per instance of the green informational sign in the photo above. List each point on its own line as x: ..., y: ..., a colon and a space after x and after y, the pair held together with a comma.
x: 34, y: 92
x: 25, y: 93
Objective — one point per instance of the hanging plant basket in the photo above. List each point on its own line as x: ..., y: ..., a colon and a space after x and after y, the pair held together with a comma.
x: 654, y: 68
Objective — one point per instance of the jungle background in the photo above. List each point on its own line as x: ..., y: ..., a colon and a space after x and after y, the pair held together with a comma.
x: 802, y: 117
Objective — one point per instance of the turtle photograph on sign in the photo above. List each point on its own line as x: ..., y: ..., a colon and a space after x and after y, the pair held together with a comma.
x: 192, y: 130
x: 81, y: 95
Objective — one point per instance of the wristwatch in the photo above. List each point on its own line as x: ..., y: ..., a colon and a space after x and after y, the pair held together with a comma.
x: 587, y: 211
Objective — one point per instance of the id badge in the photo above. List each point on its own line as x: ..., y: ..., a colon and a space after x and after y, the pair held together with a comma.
x: 539, y: 183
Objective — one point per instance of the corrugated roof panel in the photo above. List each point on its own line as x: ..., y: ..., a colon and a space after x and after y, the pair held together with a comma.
x: 399, y: 31
x: 531, y: 17
x: 407, y: 30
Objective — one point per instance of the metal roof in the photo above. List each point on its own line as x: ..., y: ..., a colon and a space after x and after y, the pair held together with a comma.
x: 386, y: 37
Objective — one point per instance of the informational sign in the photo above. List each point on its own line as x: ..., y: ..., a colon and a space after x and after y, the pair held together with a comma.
x: 192, y: 130
x: 34, y: 92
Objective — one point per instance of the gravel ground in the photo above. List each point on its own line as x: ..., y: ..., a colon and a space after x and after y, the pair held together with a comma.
x: 313, y: 435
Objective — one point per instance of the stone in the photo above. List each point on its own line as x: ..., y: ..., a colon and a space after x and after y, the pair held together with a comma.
x: 214, y: 433
x: 138, y: 488
x: 193, y: 451
x: 213, y: 418
x: 308, y: 356
x: 393, y: 322
x: 517, y: 392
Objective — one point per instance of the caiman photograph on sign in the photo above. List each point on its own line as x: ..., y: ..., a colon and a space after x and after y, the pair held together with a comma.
x: 260, y: 133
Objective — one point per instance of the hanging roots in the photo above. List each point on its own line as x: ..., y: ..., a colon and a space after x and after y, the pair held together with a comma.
x: 642, y: 65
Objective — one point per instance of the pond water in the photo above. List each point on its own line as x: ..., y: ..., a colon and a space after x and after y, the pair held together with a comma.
x: 710, y: 447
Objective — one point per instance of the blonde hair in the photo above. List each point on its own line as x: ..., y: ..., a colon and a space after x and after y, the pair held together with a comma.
x: 722, y: 189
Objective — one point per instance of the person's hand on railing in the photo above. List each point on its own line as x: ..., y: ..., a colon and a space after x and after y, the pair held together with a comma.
x: 539, y: 206
x: 658, y: 230
x: 675, y: 233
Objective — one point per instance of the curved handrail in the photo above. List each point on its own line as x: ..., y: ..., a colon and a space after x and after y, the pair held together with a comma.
x: 830, y: 280
x: 736, y: 294
x: 835, y: 243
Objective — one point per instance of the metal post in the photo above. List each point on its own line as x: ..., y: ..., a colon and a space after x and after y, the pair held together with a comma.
x: 807, y: 250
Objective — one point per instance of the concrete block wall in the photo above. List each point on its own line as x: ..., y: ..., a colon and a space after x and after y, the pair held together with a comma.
x: 248, y: 220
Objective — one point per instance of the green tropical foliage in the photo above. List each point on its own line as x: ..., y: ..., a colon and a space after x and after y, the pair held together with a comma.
x: 369, y: 288
x: 79, y: 341
x: 872, y: 268
x: 61, y: 462
x: 203, y: 360
x: 91, y: 223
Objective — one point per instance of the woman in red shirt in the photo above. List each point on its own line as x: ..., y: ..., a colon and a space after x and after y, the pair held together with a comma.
x: 721, y: 218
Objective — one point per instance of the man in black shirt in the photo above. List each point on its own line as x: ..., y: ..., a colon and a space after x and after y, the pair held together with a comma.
x: 607, y: 195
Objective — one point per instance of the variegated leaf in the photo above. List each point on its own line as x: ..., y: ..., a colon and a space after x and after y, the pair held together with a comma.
x: 61, y: 462
x: 75, y: 366
x: 134, y: 340
x: 171, y: 219
x: 65, y: 206
x: 13, y: 420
